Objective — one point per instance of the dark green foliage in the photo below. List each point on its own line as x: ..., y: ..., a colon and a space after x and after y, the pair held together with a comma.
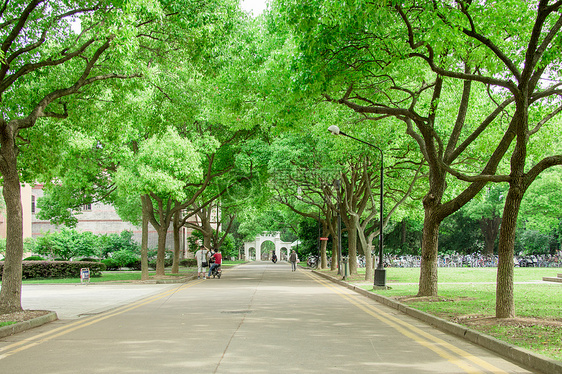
x: 460, y: 234
x: 534, y: 243
x: 110, y: 264
x: 308, y: 237
x: 67, y: 244
x: 110, y: 243
x: 403, y: 238
x: 50, y: 209
x: 135, y: 265
x: 167, y: 263
x: 123, y: 259
x: 228, y: 247
x: 194, y: 240
x: 126, y: 257
x: 57, y: 269
x: 188, y: 263
x: 39, y: 258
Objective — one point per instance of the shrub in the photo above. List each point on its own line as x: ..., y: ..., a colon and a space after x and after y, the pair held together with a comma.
x: 188, y: 262
x: 125, y: 257
x: 111, y: 243
x: 67, y: 244
x: 34, y: 258
x: 167, y: 263
x: 58, y: 269
x: 135, y: 265
x: 110, y: 263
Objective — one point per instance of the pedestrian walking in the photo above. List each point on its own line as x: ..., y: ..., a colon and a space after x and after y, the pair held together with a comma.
x: 293, y: 259
x: 202, y: 256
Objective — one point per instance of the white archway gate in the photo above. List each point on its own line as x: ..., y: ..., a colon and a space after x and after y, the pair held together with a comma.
x: 275, y: 238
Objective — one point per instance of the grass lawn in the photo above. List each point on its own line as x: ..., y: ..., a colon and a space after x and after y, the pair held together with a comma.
x: 467, y: 296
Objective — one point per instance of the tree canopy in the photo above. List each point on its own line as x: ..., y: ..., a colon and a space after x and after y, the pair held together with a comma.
x: 163, y: 106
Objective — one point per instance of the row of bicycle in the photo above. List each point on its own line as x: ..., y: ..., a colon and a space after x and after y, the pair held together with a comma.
x: 478, y: 260
x: 474, y: 260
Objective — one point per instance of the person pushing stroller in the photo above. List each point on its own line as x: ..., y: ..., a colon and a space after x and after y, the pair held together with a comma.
x: 216, y: 261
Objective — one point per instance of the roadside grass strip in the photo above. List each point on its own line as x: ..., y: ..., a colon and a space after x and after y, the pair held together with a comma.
x: 437, y: 345
x: 63, y: 330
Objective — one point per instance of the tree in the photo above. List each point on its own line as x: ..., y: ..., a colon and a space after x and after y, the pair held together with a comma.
x: 452, y: 73
x: 45, y: 66
x: 174, y: 57
x: 160, y: 170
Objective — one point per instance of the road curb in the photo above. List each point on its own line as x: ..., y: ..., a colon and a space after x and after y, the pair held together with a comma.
x: 26, y: 325
x: 521, y: 356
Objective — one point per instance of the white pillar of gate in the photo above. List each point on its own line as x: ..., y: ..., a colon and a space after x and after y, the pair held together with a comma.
x: 247, y: 247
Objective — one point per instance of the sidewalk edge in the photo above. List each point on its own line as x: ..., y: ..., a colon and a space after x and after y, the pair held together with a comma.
x: 522, y: 356
x: 26, y: 325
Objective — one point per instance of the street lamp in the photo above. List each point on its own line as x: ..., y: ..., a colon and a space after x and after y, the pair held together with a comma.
x: 380, y: 271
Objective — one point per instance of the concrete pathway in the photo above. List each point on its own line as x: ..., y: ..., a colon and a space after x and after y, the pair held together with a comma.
x: 258, y: 318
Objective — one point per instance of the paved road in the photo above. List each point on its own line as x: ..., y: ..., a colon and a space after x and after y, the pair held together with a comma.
x: 259, y: 318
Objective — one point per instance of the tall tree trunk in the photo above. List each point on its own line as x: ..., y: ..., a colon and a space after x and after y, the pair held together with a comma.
x: 430, y: 238
x: 161, y: 255
x: 428, y: 266
x: 207, y: 229
x: 505, y: 304
x: 177, y: 228
x: 323, y: 245
x: 144, y: 239
x: 10, y: 294
x: 369, y: 259
x: 352, y: 245
x: 367, y: 245
x: 490, y: 228
x: 369, y: 265
x: 335, y: 251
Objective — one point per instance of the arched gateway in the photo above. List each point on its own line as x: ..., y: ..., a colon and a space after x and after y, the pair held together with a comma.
x: 281, y: 248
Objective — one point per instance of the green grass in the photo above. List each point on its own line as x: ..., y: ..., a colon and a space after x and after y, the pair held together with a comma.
x: 2, y: 324
x: 463, y: 275
x: 465, y: 293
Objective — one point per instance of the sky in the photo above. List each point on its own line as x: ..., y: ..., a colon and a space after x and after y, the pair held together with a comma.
x: 254, y: 6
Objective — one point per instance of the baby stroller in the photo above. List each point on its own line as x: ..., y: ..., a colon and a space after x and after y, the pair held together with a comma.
x: 216, y: 272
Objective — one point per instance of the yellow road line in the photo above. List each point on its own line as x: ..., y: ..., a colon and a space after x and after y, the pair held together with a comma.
x: 415, y: 333
x: 51, y: 334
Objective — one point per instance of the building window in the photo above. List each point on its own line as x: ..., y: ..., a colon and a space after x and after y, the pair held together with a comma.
x: 87, y: 207
x: 33, y: 204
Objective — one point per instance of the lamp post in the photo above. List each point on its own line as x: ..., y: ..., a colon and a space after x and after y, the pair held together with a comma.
x: 380, y: 271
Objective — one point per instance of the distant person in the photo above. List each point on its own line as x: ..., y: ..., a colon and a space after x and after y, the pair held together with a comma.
x: 216, y: 261
x: 202, y: 256
x: 293, y: 259
x: 274, y: 258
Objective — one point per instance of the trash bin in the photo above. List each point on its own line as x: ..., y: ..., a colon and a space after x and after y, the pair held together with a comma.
x: 345, y: 261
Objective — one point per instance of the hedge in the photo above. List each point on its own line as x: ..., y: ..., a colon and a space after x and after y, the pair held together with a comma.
x: 57, y: 269
x: 189, y: 263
